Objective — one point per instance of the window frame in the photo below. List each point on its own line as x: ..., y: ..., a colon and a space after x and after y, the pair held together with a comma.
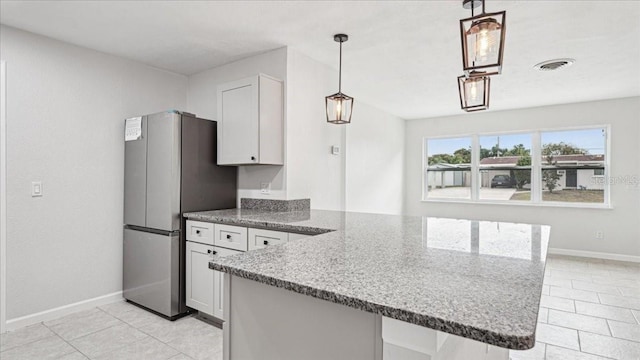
x: 536, y: 169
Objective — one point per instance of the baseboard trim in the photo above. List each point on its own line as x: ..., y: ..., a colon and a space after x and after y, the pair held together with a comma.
x: 594, y: 254
x: 17, y: 323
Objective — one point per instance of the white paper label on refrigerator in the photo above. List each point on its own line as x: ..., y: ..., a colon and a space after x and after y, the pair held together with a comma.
x: 133, y: 128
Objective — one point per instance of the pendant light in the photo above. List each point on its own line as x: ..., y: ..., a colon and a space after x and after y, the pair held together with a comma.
x: 339, y: 105
x: 482, y: 40
x: 474, y: 92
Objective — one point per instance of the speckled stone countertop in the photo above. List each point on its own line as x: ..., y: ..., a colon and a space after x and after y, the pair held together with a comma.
x: 480, y: 280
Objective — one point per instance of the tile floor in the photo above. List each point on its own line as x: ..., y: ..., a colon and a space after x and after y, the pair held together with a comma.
x: 115, y: 331
x: 590, y: 310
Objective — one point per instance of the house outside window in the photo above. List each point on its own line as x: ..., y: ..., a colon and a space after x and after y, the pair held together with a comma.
x: 505, y: 163
x: 570, y: 159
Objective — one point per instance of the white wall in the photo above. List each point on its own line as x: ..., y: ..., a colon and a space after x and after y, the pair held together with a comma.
x: 572, y: 228
x: 65, y: 112
x: 312, y: 171
x: 367, y: 175
x: 373, y: 143
x: 202, y: 101
x: 375, y: 161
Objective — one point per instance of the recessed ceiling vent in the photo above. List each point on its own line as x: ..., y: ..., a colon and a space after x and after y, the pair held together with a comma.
x: 554, y: 64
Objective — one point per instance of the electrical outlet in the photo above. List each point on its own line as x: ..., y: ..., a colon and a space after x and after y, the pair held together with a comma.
x: 335, y: 150
x: 265, y: 188
x: 600, y: 235
x: 36, y: 188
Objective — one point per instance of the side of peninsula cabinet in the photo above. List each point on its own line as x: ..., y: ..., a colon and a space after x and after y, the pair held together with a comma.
x: 251, y: 122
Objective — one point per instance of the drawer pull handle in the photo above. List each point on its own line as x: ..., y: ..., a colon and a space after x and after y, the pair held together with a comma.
x: 253, y: 158
x: 214, y: 252
x: 266, y: 242
x: 209, y: 251
x: 198, y: 232
x: 228, y: 236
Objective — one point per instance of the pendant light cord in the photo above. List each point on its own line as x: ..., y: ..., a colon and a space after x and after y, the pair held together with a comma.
x: 473, y: 7
x: 340, y: 70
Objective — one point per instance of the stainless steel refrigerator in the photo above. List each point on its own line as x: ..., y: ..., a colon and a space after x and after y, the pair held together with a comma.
x: 170, y: 168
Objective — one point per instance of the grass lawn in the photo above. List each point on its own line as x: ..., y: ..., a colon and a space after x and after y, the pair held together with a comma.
x: 521, y: 195
x: 589, y: 196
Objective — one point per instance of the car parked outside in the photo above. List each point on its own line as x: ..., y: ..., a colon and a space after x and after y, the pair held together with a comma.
x: 501, y: 181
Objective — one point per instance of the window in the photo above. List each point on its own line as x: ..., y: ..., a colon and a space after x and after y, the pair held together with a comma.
x: 505, y: 167
x: 570, y: 159
x: 448, y: 172
x: 560, y: 166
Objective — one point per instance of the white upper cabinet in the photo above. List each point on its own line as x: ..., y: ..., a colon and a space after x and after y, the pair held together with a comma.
x: 251, y: 122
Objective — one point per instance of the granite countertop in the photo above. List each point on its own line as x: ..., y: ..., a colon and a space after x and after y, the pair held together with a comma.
x: 476, y: 279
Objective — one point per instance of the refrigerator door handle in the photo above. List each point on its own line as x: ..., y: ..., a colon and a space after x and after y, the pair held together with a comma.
x: 153, y: 231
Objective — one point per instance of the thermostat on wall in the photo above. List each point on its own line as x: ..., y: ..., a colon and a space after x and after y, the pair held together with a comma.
x: 335, y: 150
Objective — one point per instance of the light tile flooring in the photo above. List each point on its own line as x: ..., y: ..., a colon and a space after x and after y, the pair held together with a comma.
x: 115, y: 331
x: 590, y: 310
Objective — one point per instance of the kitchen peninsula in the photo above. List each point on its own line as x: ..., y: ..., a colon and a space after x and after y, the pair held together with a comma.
x: 371, y: 286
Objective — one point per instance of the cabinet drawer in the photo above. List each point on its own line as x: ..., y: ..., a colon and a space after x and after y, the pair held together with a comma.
x: 230, y: 237
x: 259, y: 238
x: 201, y: 232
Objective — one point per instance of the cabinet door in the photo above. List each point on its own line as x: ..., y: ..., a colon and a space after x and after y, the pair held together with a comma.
x: 238, y: 136
x: 259, y: 238
x: 199, y: 278
x: 218, y: 284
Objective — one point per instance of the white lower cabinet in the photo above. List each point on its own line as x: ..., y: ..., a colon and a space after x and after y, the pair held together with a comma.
x: 230, y: 237
x: 218, y: 284
x: 204, y: 287
x: 259, y: 238
x: 199, y: 278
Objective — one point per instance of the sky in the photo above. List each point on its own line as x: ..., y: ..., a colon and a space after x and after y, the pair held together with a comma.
x: 592, y: 140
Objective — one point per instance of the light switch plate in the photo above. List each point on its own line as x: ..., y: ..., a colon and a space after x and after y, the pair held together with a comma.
x: 36, y: 188
x: 335, y: 150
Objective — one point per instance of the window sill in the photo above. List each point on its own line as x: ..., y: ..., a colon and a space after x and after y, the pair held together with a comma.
x: 522, y: 203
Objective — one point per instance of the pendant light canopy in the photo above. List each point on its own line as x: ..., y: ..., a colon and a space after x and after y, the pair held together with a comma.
x: 474, y: 92
x: 339, y: 105
x: 482, y: 41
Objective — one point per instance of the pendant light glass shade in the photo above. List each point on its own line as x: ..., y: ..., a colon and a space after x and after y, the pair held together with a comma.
x: 474, y: 92
x: 483, y: 43
x: 339, y: 106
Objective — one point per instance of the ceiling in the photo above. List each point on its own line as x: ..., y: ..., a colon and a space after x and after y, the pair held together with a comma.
x: 402, y: 56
